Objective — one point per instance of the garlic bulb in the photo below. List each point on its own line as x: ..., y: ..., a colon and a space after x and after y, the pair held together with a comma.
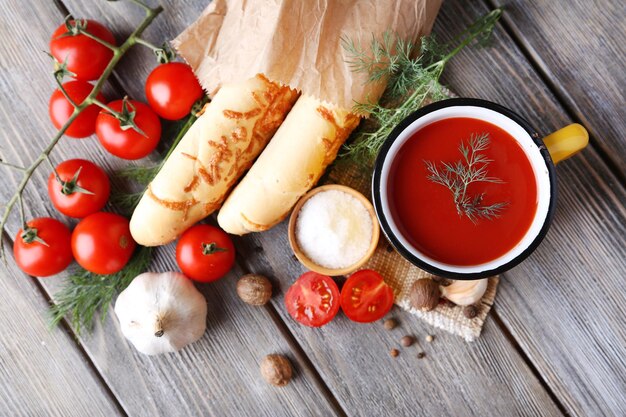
x: 161, y: 313
x: 464, y: 293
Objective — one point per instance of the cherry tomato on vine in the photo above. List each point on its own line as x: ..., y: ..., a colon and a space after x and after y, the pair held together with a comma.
x: 205, y: 253
x: 313, y: 299
x: 102, y: 243
x: 365, y: 297
x: 84, y: 189
x: 85, y: 57
x: 172, y: 89
x: 60, y: 109
x: 44, y: 249
x: 122, y: 140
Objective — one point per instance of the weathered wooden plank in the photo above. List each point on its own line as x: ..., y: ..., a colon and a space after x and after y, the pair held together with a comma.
x: 457, y: 379
x: 566, y: 304
x: 41, y: 371
x: 216, y: 376
x: 580, y: 46
x: 486, y: 377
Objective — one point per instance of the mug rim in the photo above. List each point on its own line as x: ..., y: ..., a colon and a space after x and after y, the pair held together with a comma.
x: 377, y: 198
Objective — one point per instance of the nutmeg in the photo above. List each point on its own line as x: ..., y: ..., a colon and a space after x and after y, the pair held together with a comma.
x: 424, y: 294
x: 254, y: 289
x: 276, y: 370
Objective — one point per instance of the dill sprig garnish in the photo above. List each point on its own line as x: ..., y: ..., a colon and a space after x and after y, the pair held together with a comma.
x: 126, y: 202
x: 411, y: 79
x: 140, y: 174
x: 85, y: 294
x: 458, y: 176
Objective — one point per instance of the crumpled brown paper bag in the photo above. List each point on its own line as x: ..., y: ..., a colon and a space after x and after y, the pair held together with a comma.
x: 298, y: 42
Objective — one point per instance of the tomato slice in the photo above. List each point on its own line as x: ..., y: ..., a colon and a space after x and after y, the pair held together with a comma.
x: 313, y: 299
x: 365, y: 297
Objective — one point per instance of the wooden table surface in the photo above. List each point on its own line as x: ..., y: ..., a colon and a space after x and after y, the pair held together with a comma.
x: 554, y: 344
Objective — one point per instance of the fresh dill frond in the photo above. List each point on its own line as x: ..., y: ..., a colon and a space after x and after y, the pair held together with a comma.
x: 140, y: 174
x: 126, y: 202
x: 458, y: 176
x: 412, y: 79
x: 85, y: 294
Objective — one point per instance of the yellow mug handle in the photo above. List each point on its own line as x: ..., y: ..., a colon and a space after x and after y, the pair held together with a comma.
x: 566, y: 142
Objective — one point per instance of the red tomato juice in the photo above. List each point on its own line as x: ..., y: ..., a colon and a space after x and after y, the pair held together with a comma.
x: 426, y: 212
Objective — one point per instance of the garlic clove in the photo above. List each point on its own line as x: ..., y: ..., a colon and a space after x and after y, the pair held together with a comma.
x: 160, y: 313
x: 464, y: 293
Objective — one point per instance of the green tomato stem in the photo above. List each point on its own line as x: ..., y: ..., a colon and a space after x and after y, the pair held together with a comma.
x: 211, y: 248
x: 105, y: 107
x: 97, y: 39
x: 65, y: 94
x: 147, y: 44
x: 9, y: 165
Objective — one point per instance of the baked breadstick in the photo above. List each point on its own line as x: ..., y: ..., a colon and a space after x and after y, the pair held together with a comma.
x: 293, y: 161
x: 213, y: 154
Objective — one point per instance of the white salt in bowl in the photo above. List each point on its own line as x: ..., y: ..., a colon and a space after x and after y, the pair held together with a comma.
x: 305, y: 260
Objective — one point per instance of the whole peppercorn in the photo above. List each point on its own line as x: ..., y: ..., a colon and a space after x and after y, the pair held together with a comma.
x: 470, y: 311
x: 406, y: 341
x: 254, y: 289
x: 424, y: 294
x: 390, y: 324
x: 430, y: 338
x: 276, y: 370
x: 394, y: 352
x: 421, y: 355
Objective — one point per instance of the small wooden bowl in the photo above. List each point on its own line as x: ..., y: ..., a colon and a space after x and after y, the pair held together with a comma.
x: 308, y: 262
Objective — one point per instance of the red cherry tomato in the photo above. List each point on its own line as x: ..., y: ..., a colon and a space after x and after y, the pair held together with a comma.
x: 365, y: 297
x: 172, y: 89
x: 60, y: 109
x: 205, y: 253
x: 85, y: 57
x: 44, y: 249
x: 313, y: 299
x: 84, y: 191
x: 128, y: 143
x: 102, y: 244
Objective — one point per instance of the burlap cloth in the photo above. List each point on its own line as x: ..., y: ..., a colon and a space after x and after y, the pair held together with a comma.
x: 400, y: 273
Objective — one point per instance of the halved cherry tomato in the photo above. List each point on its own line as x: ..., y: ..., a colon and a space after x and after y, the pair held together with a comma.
x: 60, y: 109
x: 102, y: 243
x: 365, y: 297
x: 44, y: 249
x: 126, y: 142
x: 85, y: 188
x: 172, y: 89
x: 313, y: 299
x: 205, y: 253
x: 85, y: 57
